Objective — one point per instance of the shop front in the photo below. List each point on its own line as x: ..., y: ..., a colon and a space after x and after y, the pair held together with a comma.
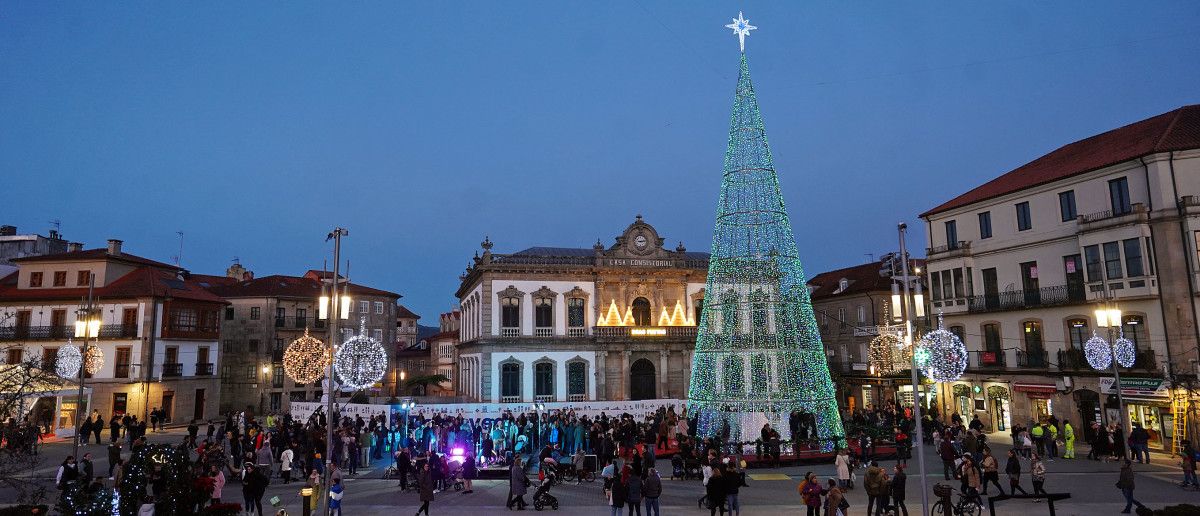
x: 1147, y: 403
x: 1041, y: 399
x: 999, y: 408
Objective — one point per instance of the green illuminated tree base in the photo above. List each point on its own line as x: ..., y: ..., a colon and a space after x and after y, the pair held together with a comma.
x: 758, y: 353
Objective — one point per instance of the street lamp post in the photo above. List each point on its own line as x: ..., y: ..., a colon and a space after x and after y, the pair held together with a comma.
x: 918, y: 440
x: 1109, y: 316
x: 339, y: 303
x: 406, y: 406
x: 538, y: 407
x: 262, y: 393
x: 87, y: 326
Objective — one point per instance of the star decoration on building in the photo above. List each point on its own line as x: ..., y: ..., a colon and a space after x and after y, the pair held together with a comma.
x: 741, y: 27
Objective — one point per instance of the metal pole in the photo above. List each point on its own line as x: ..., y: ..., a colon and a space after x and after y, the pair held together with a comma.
x: 1112, y: 349
x: 334, y: 317
x: 919, y: 439
x: 87, y: 329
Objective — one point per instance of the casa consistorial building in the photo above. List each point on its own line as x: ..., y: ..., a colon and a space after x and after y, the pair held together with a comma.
x: 1020, y: 264
x: 569, y: 324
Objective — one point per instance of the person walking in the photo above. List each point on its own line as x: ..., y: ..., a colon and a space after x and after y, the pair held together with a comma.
x: 735, y: 478
x: 518, y: 485
x: 68, y: 472
x: 991, y: 471
x: 403, y: 466
x: 425, y: 487
x: 285, y: 463
x: 335, y: 498
x: 810, y: 492
x: 1125, y: 484
x: 835, y: 500
x: 651, y: 491
x: 1188, y: 464
x: 633, y: 491
x: 1068, y: 440
x: 897, y: 487
x: 469, y: 473
x: 114, y: 456
x: 616, y: 496
x: 254, y: 484
x: 843, y: 468
x: 1037, y: 472
x: 715, y: 491
x: 876, y: 484
x: 946, y: 451
x: 218, y: 483
x: 1013, y: 469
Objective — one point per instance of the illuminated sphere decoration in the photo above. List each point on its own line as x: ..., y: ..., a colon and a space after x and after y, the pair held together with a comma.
x: 94, y: 360
x: 947, y: 356
x: 305, y: 359
x: 67, y: 361
x: 1124, y: 352
x: 361, y: 361
x: 884, y: 353
x: 1097, y: 352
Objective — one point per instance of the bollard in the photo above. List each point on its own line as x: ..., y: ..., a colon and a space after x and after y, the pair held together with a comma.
x: 306, y: 493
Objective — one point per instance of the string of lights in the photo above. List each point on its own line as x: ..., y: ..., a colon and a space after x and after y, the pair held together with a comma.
x: 361, y: 361
x: 305, y: 359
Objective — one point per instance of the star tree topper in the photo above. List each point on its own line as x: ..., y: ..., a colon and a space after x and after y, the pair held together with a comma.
x: 741, y: 27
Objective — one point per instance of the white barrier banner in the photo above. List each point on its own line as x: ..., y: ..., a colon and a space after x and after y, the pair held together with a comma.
x: 301, y: 410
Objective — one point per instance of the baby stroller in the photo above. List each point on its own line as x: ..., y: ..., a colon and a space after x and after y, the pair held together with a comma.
x: 677, y: 468
x: 455, y: 478
x: 542, y: 496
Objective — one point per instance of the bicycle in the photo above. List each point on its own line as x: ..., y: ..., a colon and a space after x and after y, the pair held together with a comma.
x: 967, y: 505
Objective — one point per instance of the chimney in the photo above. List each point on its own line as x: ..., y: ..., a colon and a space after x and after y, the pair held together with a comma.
x: 55, y: 235
x: 114, y: 247
x: 74, y: 247
x: 8, y: 230
x: 247, y: 276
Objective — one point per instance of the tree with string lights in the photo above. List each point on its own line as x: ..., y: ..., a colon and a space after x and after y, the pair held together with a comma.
x: 758, y: 354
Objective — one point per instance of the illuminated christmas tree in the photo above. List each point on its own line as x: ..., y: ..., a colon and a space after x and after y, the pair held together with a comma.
x: 758, y: 353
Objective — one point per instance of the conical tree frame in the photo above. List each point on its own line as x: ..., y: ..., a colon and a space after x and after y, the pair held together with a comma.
x: 758, y: 350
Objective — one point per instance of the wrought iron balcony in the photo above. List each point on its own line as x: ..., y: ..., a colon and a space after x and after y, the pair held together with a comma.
x: 1072, y: 359
x: 1032, y: 359
x: 204, y: 369
x: 988, y: 359
x: 170, y: 370
x: 108, y: 331
x: 1145, y: 360
x: 1020, y: 299
x: 961, y: 245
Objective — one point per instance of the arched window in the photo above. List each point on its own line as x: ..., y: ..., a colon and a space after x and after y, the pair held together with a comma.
x: 1077, y: 333
x: 510, y: 380
x: 543, y: 379
x: 510, y: 312
x: 575, y: 318
x: 729, y: 312
x: 641, y: 312
x: 1134, y: 328
x: 733, y: 374
x: 577, y: 380
x: 543, y: 313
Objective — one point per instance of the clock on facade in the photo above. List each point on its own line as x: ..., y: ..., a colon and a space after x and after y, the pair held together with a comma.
x: 640, y: 241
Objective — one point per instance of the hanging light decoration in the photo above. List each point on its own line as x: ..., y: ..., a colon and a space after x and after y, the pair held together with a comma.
x: 360, y: 361
x: 884, y: 352
x: 1097, y: 352
x: 947, y: 356
x: 93, y: 360
x: 305, y: 359
x: 67, y: 361
x: 1124, y: 351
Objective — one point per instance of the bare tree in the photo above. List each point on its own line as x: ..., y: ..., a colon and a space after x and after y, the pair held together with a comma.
x: 21, y: 384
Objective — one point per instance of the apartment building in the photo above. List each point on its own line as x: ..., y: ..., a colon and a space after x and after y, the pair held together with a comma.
x: 1019, y: 264
x: 158, y: 334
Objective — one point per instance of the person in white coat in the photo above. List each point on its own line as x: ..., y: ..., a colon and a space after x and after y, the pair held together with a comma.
x: 285, y: 463
x: 843, y: 468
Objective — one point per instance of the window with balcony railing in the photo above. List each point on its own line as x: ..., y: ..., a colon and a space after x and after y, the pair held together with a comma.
x: 172, y: 369
x: 204, y: 369
x: 576, y: 332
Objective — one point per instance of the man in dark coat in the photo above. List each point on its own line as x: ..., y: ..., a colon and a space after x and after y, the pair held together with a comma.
x: 518, y: 485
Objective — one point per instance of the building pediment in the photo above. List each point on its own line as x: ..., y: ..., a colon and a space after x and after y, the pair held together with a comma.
x: 639, y: 241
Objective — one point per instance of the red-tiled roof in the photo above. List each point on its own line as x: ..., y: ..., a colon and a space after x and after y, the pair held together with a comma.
x: 93, y: 254
x: 861, y: 278
x: 402, y: 312
x: 1171, y: 131
x: 142, y: 282
x: 208, y: 280
x: 287, y: 286
x: 445, y: 335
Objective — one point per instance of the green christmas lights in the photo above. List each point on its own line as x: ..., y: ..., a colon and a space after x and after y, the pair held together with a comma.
x: 758, y: 350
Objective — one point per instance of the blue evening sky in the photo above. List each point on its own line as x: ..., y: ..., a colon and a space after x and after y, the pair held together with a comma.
x: 255, y: 127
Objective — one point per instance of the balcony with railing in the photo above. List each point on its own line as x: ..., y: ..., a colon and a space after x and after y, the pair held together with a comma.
x: 107, y: 332
x: 204, y: 369
x: 988, y: 359
x: 1032, y: 359
x: 1137, y: 213
x: 577, y: 397
x: 1072, y: 359
x: 1145, y: 360
x: 1034, y: 298
x: 543, y: 332
x: 544, y: 398
x: 959, y: 248
x: 172, y: 370
x: 510, y: 399
x: 510, y: 332
x: 577, y: 332
x: 684, y: 332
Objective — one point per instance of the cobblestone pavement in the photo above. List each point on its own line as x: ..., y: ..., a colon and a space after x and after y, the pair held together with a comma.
x: 1090, y: 484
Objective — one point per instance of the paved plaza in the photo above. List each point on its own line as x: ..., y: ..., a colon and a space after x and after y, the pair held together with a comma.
x: 1090, y: 484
